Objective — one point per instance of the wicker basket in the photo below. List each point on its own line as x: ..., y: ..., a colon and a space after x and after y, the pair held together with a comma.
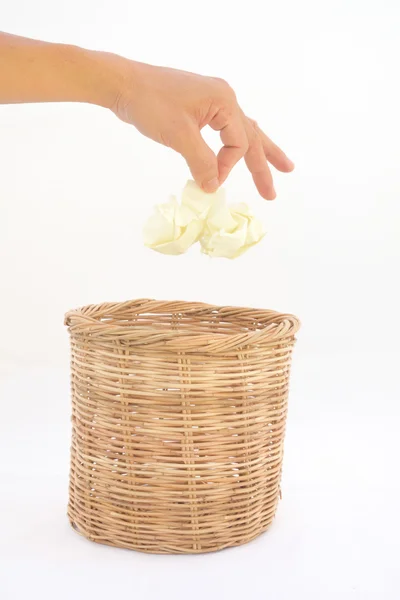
x: 178, y: 421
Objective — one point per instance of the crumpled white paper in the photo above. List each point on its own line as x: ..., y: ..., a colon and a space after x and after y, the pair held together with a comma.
x: 172, y: 229
x: 198, y: 201
x: 223, y: 231
x: 230, y: 231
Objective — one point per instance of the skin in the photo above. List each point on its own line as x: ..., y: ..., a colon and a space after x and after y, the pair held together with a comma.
x: 167, y: 105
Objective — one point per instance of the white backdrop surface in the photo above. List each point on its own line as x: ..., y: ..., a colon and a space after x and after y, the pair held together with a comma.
x: 76, y: 186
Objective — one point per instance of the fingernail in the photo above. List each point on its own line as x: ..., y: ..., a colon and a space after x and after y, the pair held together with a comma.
x: 211, y: 186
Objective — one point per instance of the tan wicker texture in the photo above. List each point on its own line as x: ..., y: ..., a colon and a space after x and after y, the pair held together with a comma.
x: 178, y: 420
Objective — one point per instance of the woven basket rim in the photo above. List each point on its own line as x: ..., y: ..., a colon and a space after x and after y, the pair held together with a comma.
x: 271, y: 326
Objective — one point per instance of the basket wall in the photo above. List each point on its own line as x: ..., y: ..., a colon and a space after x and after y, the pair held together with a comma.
x: 178, y: 421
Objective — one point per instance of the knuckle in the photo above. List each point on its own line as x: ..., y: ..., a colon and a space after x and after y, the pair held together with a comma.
x: 225, y: 89
x: 252, y: 131
x: 220, y: 81
x: 254, y: 125
x: 226, y: 114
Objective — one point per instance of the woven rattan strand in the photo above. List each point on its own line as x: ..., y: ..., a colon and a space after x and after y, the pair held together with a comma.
x: 178, y: 421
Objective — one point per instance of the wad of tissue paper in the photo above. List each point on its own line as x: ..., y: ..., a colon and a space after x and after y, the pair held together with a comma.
x: 223, y: 230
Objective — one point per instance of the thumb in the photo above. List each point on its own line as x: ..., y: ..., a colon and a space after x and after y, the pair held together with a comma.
x: 201, y: 160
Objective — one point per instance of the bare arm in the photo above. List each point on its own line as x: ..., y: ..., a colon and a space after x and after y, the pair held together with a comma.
x: 167, y: 105
x: 35, y: 71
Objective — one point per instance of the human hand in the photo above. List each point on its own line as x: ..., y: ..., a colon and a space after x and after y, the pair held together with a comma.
x: 166, y: 105
x: 172, y: 107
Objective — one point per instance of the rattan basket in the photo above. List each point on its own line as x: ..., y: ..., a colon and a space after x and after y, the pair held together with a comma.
x: 178, y: 421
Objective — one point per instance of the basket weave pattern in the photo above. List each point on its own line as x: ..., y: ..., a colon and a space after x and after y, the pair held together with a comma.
x: 178, y: 421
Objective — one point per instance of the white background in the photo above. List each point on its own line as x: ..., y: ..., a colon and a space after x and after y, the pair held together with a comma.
x: 76, y: 186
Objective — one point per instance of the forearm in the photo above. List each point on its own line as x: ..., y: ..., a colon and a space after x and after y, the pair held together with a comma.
x: 35, y: 71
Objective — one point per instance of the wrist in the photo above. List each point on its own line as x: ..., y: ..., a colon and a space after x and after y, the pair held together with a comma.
x: 102, y: 75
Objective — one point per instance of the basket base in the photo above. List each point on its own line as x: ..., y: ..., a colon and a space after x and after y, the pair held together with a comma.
x: 167, y: 550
